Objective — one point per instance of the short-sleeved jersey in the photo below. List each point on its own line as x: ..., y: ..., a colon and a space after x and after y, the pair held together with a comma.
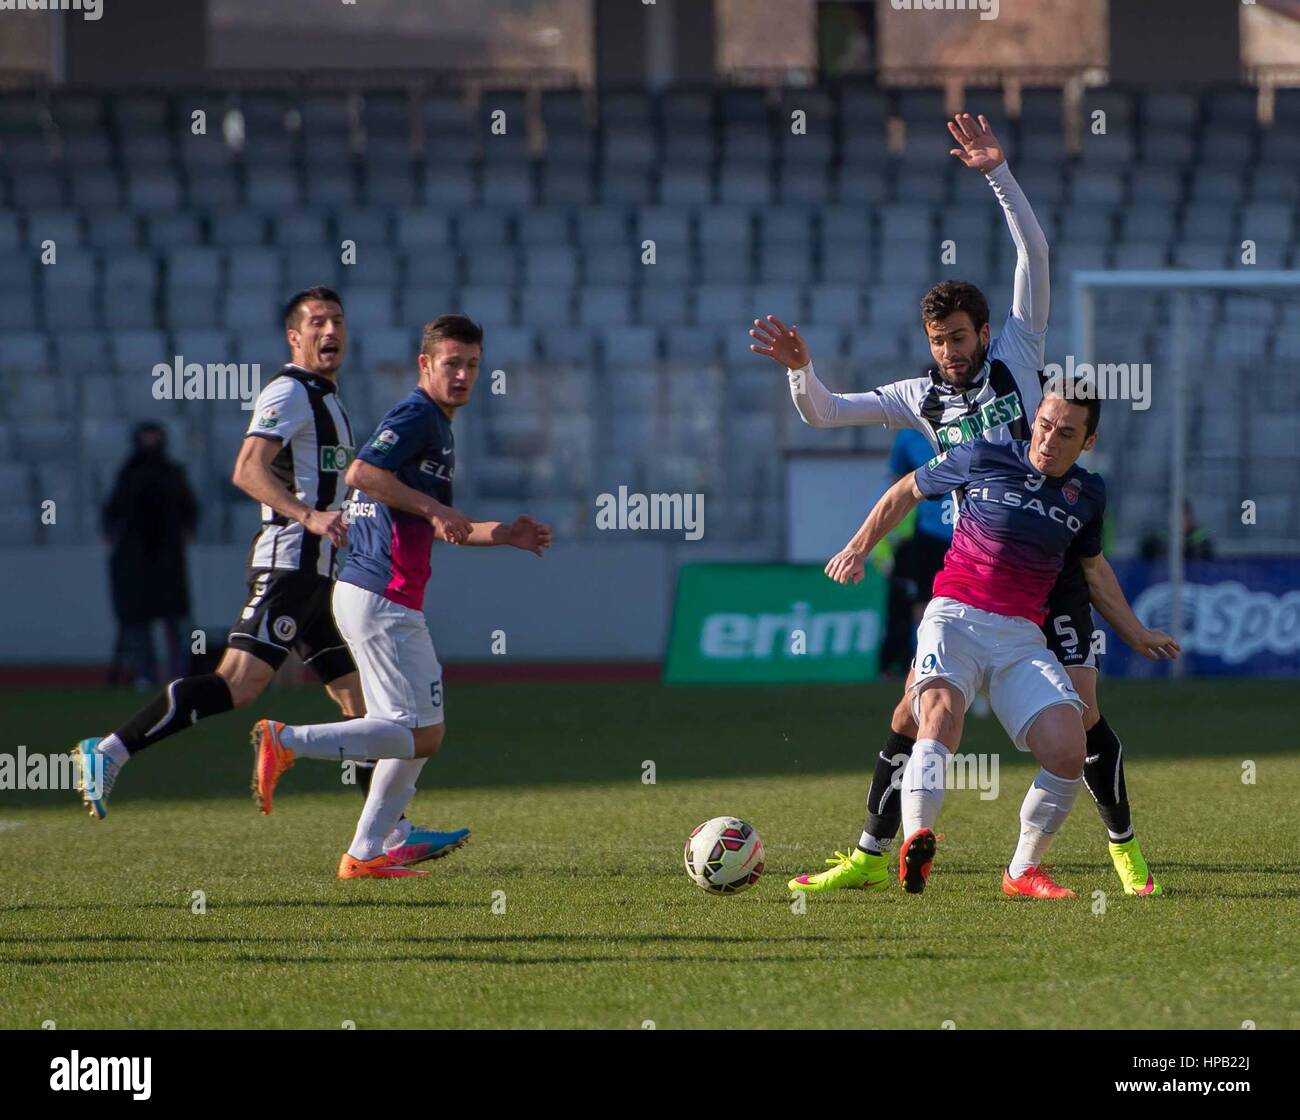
x: 389, y: 549
x: 1015, y: 525
x: 303, y: 412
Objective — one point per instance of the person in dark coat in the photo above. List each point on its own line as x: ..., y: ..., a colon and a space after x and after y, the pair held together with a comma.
x: 149, y: 520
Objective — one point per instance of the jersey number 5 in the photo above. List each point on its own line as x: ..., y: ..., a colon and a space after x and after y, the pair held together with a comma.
x: 1067, y: 633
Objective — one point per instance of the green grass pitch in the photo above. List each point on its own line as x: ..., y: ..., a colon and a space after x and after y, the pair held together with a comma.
x: 601, y: 927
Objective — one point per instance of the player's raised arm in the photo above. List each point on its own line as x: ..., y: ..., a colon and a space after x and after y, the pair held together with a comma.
x: 523, y: 532
x: 980, y: 150
x: 816, y: 404
x: 384, y: 486
x: 1108, y: 598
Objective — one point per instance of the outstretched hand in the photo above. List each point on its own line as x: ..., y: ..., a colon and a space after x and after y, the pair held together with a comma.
x: 846, y: 566
x: 529, y: 534
x: 784, y: 345
x: 1156, y: 645
x: 979, y: 148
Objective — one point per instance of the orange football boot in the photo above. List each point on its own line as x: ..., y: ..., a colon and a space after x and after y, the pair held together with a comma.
x: 270, y: 760
x: 914, y: 860
x: 383, y: 866
x: 1034, y: 883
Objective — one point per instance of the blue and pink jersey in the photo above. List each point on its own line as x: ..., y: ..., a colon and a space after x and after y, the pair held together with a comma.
x: 1014, y: 525
x: 388, y: 549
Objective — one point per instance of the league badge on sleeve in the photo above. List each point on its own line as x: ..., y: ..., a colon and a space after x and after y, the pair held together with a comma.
x: 384, y: 442
x: 269, y: 419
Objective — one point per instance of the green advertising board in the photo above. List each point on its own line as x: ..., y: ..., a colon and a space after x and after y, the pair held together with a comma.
x: 773, y: 623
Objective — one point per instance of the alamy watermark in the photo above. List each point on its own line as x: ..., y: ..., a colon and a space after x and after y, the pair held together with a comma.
x: 960, y: 771
x: 988, y: 9
x: 216, y: 381
x: 1106, y: 381
x: 23, y: 771
x: 629, y: 510
x: 90, y: 9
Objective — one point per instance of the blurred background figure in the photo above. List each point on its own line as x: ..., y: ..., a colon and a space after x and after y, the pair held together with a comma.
x: 149, y: 520
x: 1196, y: 540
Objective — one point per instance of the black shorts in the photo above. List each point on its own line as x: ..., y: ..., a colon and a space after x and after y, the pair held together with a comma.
x: 1068, y: 628
x: 921, y: 557
x: 291, y: 611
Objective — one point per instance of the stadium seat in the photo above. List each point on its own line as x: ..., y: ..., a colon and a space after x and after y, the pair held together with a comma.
x: 603, y: 306
x: 547, y: 305
x: 253, y: 267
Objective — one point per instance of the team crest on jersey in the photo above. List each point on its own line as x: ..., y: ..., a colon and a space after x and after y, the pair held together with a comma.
x: 1070, y: 490
x: 385, y: 441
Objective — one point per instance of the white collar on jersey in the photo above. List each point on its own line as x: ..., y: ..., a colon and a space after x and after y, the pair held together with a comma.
x: 317, y: 381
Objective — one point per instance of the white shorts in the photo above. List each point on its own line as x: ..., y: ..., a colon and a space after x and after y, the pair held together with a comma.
x: 978, y: 651
x: 400, y: 675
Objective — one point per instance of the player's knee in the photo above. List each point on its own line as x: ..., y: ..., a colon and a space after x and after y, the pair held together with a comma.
x: 1058, y: 742
x: 245, y: 675
x: 1068, y: 762
x: 428, y: 739
x: 351, y: 704
x: 243, y: 690
x: 941, y: 706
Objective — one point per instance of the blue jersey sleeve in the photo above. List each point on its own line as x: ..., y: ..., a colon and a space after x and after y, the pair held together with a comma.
x: 401, y: 436
x: 949, y: 473
x: 900, y: 462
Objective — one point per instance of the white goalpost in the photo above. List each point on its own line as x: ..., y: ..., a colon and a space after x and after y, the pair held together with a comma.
x: 1201, y: 334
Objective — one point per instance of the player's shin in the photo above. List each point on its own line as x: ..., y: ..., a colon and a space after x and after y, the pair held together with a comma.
x: 1042, y: 813
x: 391, y: 790
x: 884, y: 812
x: 180, y: 705
x: 923, y: 784
x: 1103, y: 773
x: 353, y: 739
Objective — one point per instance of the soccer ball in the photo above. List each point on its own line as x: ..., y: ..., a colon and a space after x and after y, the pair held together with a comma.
x: 724, y: 856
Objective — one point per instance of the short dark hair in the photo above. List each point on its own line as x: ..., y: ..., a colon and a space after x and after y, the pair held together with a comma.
x: 299, y: 298
x: 949, y: 296
x: 1084, y: 394
x: 455, y: 327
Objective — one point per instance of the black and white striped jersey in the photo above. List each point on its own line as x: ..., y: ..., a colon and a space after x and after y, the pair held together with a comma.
x: 999, y: 406
x: 303, y: 411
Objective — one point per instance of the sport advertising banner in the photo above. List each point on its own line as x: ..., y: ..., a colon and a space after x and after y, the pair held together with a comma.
x: 1240, y: 617
x: 770, y: 623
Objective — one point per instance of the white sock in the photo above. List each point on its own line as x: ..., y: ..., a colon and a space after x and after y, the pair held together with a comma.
x: 397, y: 837
x: 357, y: 739
x: 923, y: 779
x: 114, y: 749
x: 874, y: 844
x: 391, y: 790
x: 1042, y: 813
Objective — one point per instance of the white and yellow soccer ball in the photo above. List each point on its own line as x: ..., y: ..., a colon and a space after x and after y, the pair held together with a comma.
x: 724, y: 855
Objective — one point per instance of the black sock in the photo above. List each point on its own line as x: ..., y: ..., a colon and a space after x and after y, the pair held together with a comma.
x: 1103, y: 774
x: 884, y: 805
x: 365, y: 771
x: 183, y: 702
